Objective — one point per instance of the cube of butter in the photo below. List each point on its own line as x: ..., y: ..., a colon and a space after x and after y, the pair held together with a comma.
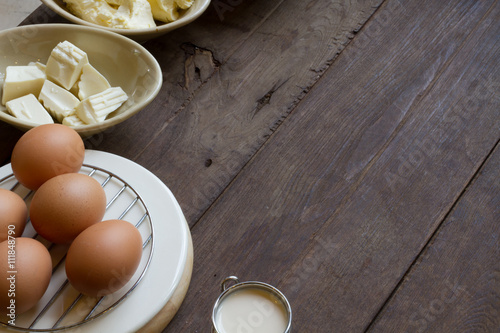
x: 29, y: 108
x: 59, y: 102
x: 72, y: 121
x: 22, y: 80
x: 65, y: 64
x: 95, y: 109
x: 38, y: 64
x: 91, y: 82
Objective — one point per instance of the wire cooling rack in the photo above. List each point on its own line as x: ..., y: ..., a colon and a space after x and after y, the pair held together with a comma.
x: 62, y: 307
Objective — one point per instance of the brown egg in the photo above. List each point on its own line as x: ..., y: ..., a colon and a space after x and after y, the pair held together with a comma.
x: 24, y: 275
x: 104, y: 257
x: 13, y: 214
x: 66, y: 205
x: 46, y: 151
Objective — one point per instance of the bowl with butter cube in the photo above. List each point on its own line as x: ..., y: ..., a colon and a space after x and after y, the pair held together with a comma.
x: 139, y: 20
x: 82, y: 77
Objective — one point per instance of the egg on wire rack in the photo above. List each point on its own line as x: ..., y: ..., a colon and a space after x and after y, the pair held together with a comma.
x: 46, y: 151
x: 104, y: 257
x: 25, y: 278
x: 13, y: 214
x: 160, y: 278
x: 66, y: 205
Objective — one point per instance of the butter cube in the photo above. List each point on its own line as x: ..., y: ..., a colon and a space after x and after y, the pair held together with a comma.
x: 29, y: 108
x: 95, y: 109
x: 59, y: 102
x: 91, y: 82
x: 72, y: 121
x: 22, y: 80
x: 168, y: 10
x: 38, y: 64
x: 65, y: 64
x: 74, y: 89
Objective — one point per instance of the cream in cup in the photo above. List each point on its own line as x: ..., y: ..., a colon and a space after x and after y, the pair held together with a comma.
x: 251, y: 307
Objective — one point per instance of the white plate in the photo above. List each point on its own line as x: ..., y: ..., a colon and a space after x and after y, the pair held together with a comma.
x: 171, y: 240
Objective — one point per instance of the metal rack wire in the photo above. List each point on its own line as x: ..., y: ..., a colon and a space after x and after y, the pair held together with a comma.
x: 65, y: 308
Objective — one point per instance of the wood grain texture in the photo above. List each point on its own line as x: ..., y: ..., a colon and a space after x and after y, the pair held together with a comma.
x: 323, y: 218
x: 328, y: 175
x: 455, y: 285
x: 233, y: 113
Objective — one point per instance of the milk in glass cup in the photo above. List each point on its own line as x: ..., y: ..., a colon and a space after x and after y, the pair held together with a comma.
x: 251, y: 307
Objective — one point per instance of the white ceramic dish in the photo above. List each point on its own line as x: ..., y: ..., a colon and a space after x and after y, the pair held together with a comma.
x: 122, y: 61
x: 140, y: 35
x: 171, y: 241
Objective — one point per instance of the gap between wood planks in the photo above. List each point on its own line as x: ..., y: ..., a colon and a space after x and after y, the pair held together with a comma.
x: 457, y: 200
x: 432, y: 237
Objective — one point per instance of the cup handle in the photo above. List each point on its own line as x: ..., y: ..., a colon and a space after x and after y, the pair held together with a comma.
x: 224, y: 283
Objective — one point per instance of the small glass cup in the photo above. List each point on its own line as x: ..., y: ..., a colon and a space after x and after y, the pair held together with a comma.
x: 251, y: 307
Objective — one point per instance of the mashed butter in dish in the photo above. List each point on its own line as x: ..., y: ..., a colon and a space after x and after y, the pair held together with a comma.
x: 127, y: 14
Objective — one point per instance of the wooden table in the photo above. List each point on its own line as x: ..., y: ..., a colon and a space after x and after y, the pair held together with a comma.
x: 346, y: 152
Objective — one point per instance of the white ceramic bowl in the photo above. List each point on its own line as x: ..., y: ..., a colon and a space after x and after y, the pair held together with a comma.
x: 139, y: 35
x: 124, y: 62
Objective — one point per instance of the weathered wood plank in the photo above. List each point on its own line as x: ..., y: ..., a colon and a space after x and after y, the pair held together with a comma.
x: 321, y: 203
x: 455, y: 285
x: 234, y: 112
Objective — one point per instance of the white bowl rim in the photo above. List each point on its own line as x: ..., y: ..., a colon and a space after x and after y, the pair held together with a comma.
x: 130, y: 32
x: 92, y: 128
